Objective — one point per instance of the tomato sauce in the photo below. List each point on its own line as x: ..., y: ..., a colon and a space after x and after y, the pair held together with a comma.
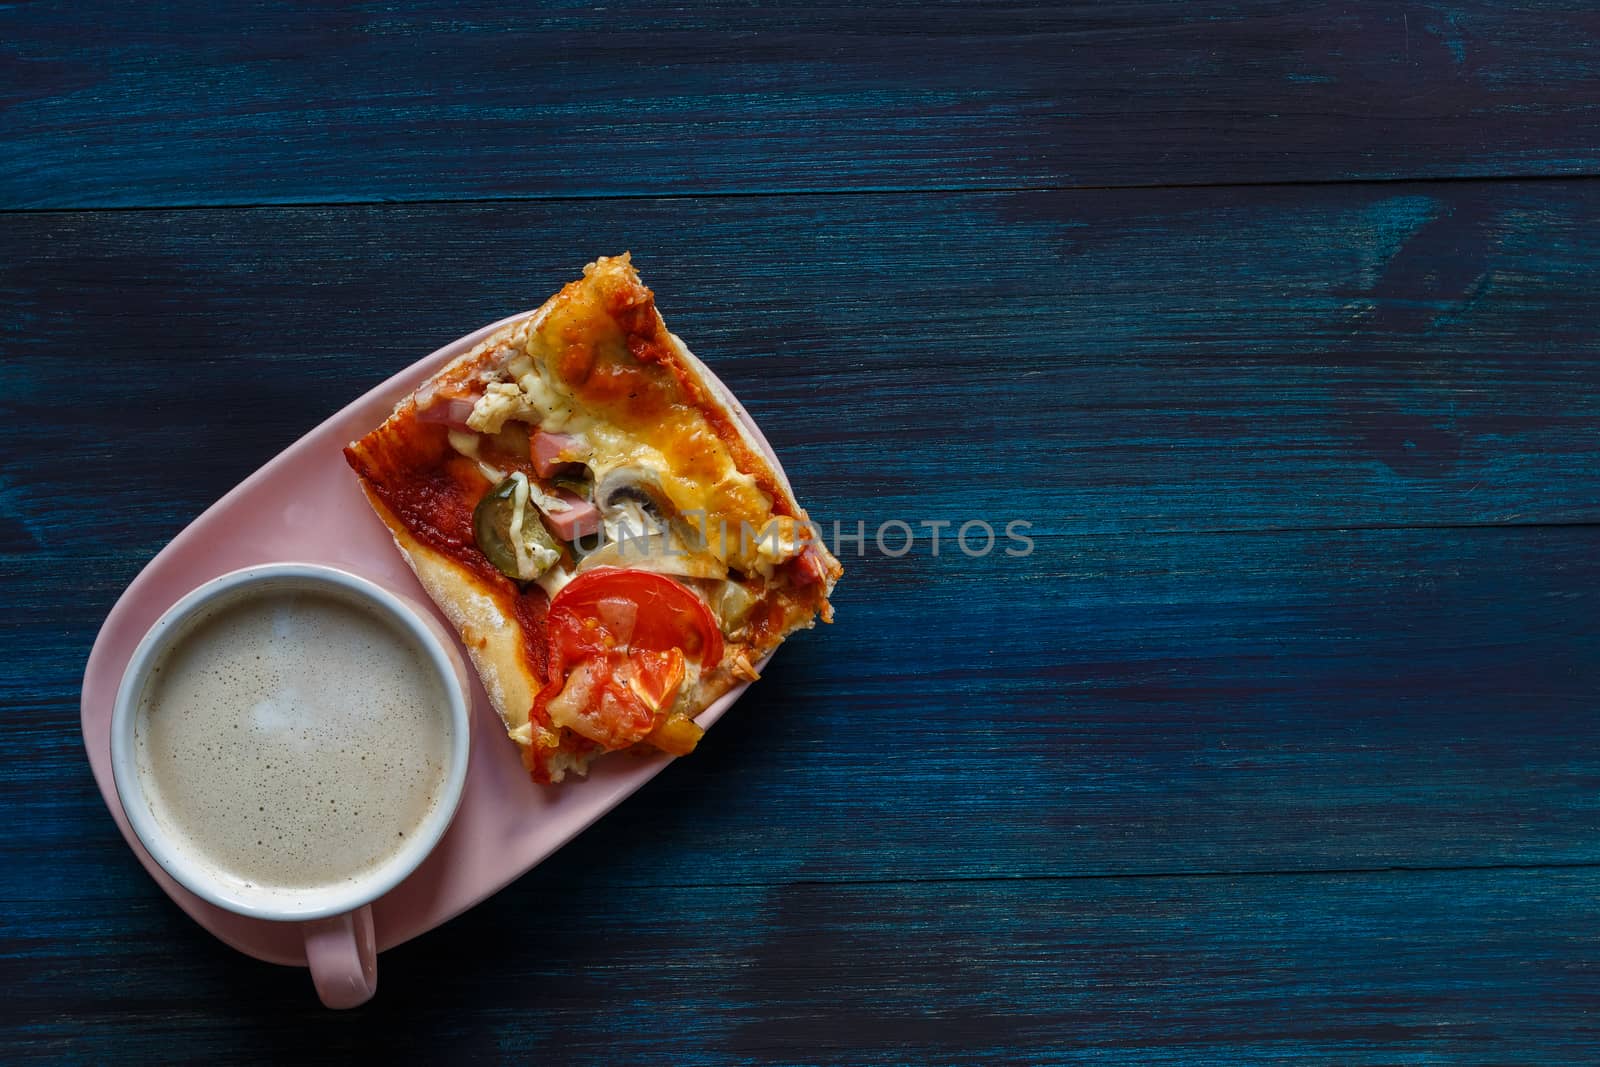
x: 603, y: 340
x: 432, y: 492
x: 529, y: 609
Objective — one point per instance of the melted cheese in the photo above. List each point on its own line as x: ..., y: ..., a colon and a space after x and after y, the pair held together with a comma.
x: 500, y: 401
x: 725, y: 505
x: 779, y: 541
x: 554, y: 580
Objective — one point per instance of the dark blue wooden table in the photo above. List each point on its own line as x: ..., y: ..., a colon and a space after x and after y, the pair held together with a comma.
x: 1279, y: 321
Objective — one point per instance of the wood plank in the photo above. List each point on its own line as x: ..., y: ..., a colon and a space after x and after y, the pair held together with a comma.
x: 115, y: 105
x: 1427, y: 967
x: 1107, y: 705
x: 1090, y: 362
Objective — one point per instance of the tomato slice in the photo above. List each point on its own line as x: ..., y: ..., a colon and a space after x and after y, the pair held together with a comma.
x: 620, y: 644
x: 594, y: 608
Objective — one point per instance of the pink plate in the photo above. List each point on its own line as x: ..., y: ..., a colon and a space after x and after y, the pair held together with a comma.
x: 305, y: 506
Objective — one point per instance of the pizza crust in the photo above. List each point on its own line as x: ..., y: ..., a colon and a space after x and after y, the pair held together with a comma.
x: 492, y: 638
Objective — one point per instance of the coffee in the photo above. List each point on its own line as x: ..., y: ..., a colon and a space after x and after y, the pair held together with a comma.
x: 293, y: 739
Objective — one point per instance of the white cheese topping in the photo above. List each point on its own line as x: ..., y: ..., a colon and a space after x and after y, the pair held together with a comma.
x: 532, y: 560
x: 499, y: 402
x: 722, y: 496
x: 778, y: 541
x: 550, y: 408
x: 546, y: 503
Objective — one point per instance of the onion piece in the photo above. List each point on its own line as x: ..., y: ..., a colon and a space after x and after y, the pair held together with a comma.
x: 732, y: 605
x: 677, y: 565
x: 465, y: 442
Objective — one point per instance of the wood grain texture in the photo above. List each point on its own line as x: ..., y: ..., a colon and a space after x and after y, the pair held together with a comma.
x: 1147, y: 691
x: 1313, y: 474
x: 1427, y: 967
x: 194, y: 103
x: 1108, y: 705
x: 1090, y: 362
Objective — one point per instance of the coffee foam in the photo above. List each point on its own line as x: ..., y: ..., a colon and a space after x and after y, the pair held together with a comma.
x: 292, y: 740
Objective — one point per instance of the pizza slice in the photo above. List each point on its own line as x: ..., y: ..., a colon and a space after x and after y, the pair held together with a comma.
x: 580, y: 499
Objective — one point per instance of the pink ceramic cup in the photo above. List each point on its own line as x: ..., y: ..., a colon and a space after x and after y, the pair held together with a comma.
x: 335, y: 920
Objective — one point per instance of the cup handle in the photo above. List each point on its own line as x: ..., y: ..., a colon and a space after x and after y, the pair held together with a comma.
x: 343, y: 956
